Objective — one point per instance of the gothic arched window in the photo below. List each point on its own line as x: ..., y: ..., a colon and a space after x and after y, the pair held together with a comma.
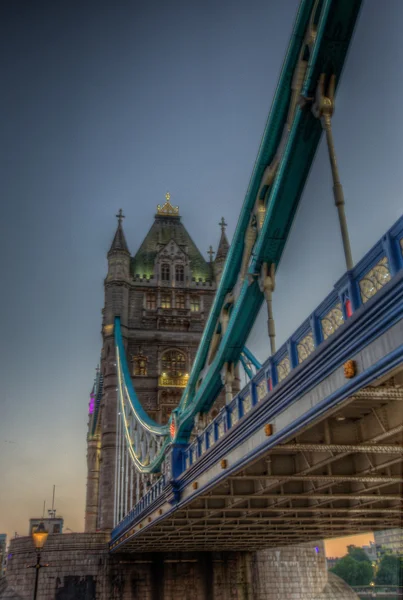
x: 173, y: 363
x: 179, y: 273
x: 165, y: 272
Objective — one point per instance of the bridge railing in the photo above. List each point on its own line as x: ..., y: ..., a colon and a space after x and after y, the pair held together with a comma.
x: 153, y: 493
x: 379, y: 591
x: 353, y: 290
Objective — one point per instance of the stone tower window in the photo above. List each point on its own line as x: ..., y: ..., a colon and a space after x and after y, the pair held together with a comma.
x: 166, y: 301
x: 165, y: 272
x: 195, y: 303
x: 173, y: 363
x: 179, y: 273
x: 180, y: 301
x: 140, y: 364
x: 151, y: 302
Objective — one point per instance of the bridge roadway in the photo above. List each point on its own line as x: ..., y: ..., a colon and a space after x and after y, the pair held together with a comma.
x: 310, y: 449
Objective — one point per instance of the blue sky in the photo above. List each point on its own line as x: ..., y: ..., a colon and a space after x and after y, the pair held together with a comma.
x: 108, y: 105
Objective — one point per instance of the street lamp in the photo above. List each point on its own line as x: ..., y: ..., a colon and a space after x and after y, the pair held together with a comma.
x: 39, y: 536
x: 372, y: 584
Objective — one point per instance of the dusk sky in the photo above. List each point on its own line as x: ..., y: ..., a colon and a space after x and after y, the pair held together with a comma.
x: 109, y: 105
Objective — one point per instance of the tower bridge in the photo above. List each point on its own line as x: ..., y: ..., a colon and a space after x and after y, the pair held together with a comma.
x: 180, y: 458
x: 239, y: 486
x: 311, y: 447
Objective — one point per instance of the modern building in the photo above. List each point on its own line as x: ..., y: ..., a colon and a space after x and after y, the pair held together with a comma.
x: 389, y: 540
x: 163, y: 296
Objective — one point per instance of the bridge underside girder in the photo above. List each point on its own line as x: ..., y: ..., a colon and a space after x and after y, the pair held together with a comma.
x: 341, y: 475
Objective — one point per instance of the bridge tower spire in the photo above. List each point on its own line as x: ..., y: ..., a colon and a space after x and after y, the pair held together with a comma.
x: 222, y: 251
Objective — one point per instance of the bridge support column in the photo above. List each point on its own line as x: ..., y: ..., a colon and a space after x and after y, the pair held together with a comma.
x: 297, y: 572
x: 228, y: 378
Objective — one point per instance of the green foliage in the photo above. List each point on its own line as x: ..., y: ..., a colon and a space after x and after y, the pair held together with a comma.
x: 354, y: 572
x: 390, y: 571
x: 358, y: 554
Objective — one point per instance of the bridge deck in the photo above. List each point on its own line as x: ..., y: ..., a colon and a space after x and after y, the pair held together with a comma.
x: 319, y: 454
x: 341, y: 475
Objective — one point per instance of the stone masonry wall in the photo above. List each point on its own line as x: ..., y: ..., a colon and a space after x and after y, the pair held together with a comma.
x: 80, y: 568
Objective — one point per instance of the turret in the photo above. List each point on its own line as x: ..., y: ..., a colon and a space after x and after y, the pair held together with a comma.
x: 117, y: 289
x: 119, y: 255
x: 222, y: 252
x: 117, y: 279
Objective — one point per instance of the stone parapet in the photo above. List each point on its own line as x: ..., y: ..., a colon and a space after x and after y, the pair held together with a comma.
x: 76, y: 562
x: 80, y: 568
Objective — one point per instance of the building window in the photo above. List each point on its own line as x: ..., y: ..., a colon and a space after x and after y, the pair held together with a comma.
x: 180, y: 273
x: 180, y: 301
x: 166, y: 301
x: 140, y: 364
x: 165, y: 272
x: 151, y: 303
x: 195, y: 304
x: 173, y: 363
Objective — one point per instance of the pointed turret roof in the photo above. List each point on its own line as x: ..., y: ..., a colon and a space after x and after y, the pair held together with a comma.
x: 167, y: 226
x: 119, y: 241
x: 223, y: 246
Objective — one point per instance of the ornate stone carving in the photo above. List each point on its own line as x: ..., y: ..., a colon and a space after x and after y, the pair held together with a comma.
x: 375, y: 279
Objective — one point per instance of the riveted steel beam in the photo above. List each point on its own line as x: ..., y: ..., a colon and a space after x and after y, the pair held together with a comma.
x: 331, y: 478
x: 336, y: 448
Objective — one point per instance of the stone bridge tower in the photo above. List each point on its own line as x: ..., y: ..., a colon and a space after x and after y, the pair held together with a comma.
x: 163, y: 296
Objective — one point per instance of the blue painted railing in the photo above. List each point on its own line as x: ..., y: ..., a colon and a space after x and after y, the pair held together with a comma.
x: 352, y: 291
x: 153, y: 493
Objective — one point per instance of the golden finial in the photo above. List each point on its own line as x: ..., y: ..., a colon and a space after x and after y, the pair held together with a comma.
x: 168, y: 210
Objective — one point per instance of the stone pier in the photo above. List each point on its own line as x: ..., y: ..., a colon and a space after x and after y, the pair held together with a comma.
x: 80, y: 568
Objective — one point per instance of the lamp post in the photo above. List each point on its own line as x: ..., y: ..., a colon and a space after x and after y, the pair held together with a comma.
x: 39, y: 536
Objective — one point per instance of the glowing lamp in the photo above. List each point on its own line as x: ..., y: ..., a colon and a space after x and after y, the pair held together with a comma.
x: 172, y: 429
x: 40, y: 535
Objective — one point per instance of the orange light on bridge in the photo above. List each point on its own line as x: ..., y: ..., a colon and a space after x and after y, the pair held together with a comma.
x: 350, y: 369
x: 172, y: 429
